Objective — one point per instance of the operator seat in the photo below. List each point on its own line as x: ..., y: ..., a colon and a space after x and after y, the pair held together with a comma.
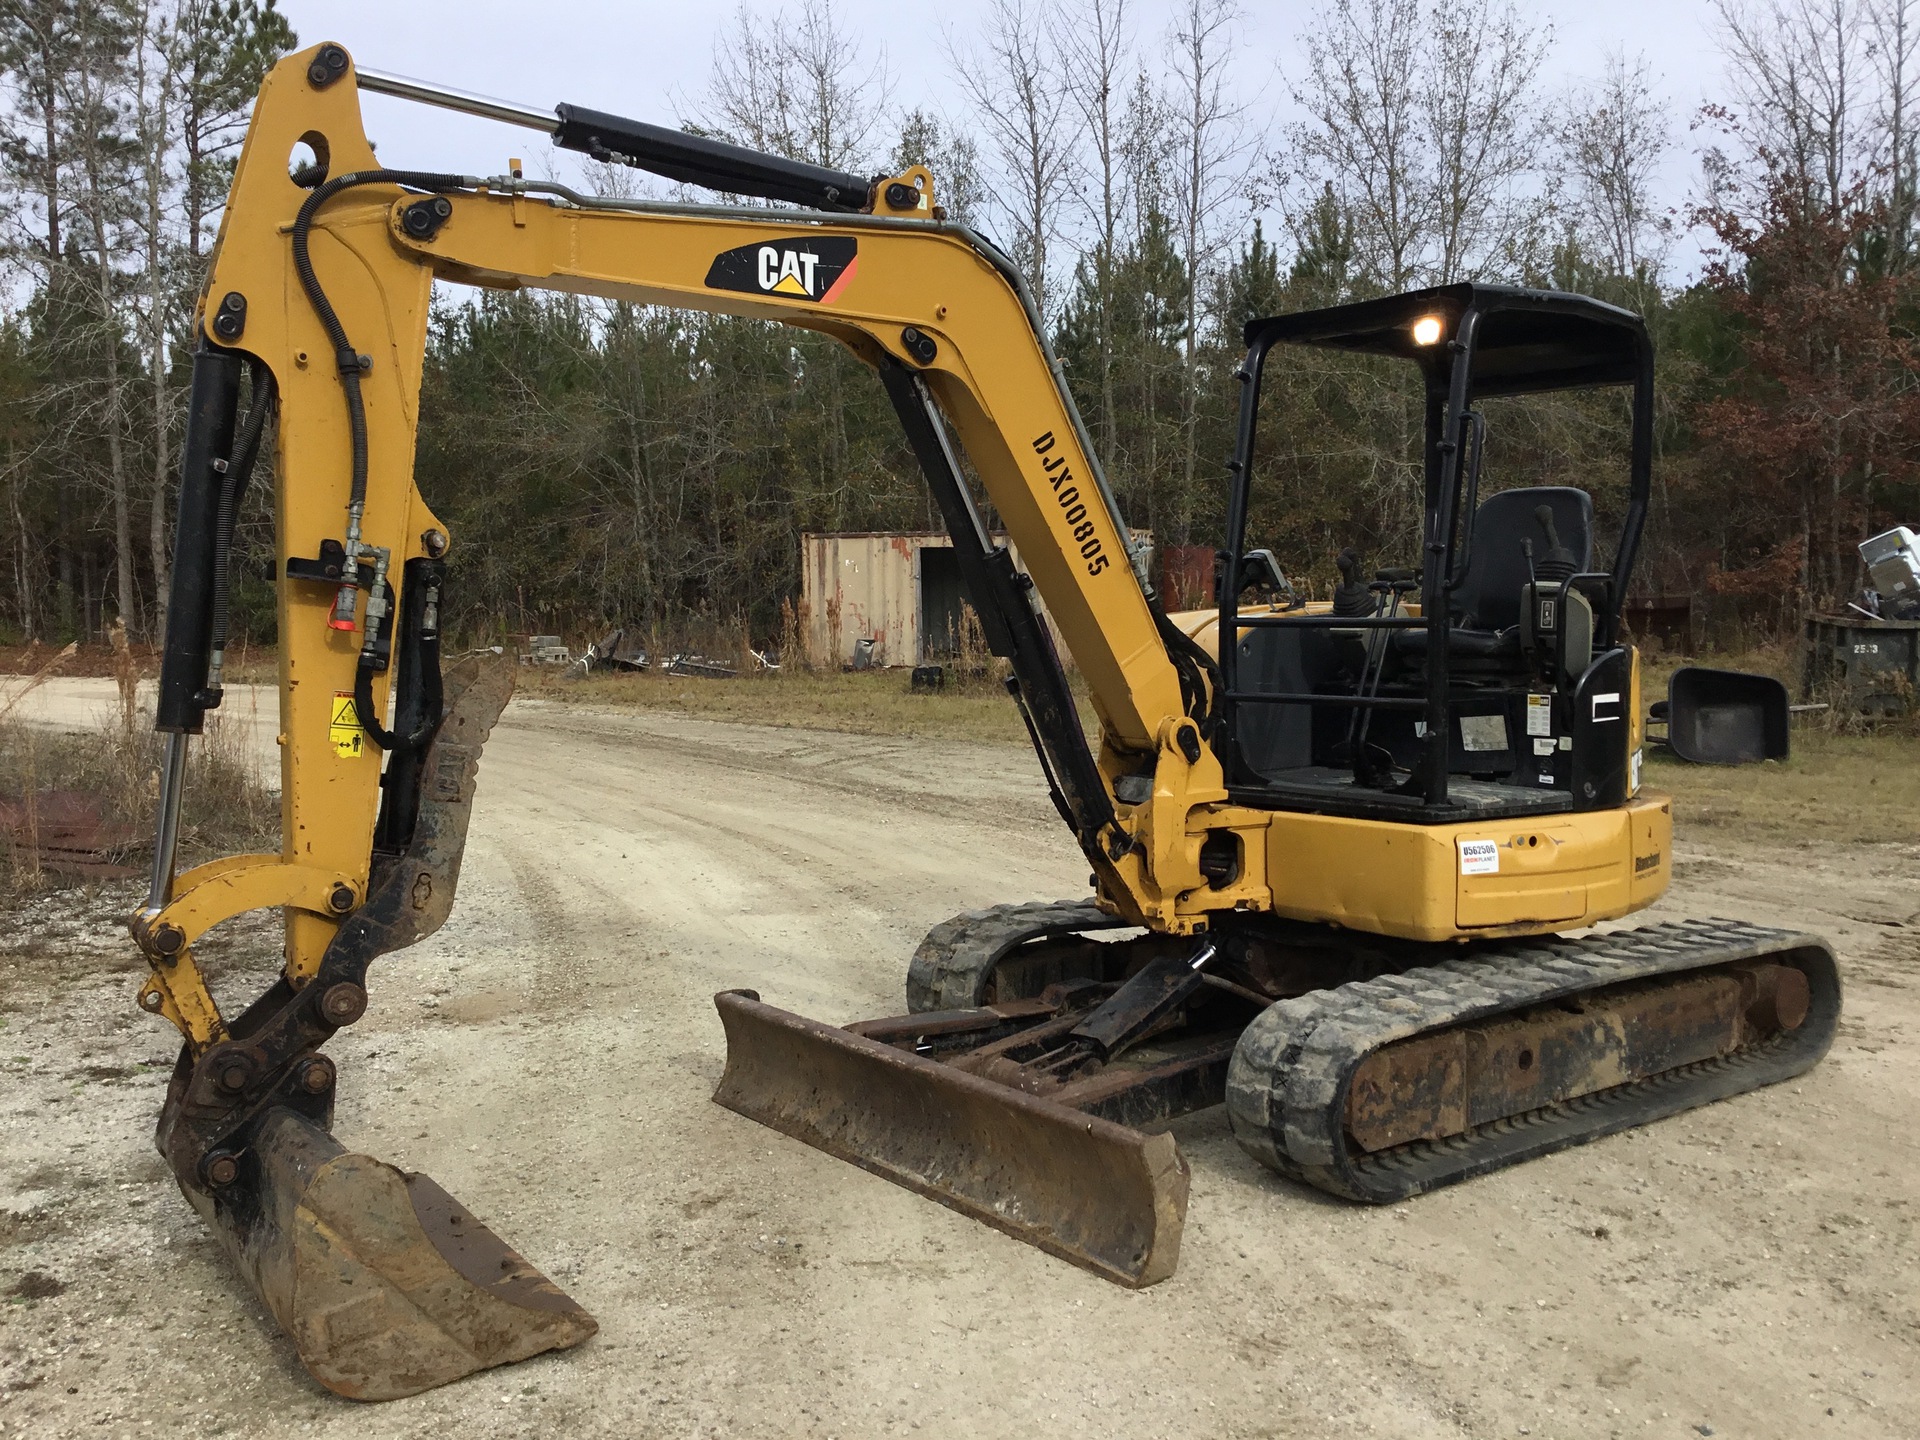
x: 1485, y: 623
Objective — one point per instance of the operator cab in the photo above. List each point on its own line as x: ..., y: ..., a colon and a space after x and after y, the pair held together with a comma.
x: 1487, y: 677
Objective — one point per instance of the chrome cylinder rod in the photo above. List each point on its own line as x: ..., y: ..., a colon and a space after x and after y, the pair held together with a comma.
x: 166, y: 834
x: 467, y: 103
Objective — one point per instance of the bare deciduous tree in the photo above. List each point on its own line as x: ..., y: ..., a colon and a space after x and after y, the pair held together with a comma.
x: 1425, y: 120
x: 1096, y: 45
x: 1614, y: 135
x: 1361, y: 137
x: 1209, y: 176
x: 95, y: 89
x: 1794, y: 70
x: 1895, y: 53
x: 1484, y: 131
x: 1012, y: 78
x: 798, y: 85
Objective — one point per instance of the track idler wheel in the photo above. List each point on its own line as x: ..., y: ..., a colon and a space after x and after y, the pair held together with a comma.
x: 386, y: 1285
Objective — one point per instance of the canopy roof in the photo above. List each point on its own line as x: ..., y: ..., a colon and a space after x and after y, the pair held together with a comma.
x: 1526, y: 340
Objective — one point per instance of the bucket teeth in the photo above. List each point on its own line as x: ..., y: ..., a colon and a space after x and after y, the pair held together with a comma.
x: 386, y: 1284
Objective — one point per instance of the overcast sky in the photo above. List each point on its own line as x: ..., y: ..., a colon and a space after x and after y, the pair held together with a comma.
x: 650, y: 60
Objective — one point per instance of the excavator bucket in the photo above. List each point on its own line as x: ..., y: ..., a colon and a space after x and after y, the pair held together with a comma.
x: 385, y: 1284
x: 1106, y: 1197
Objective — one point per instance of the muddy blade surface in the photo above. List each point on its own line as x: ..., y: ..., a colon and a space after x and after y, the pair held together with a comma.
x: 386, y: 1285
x: 1105, y: 1197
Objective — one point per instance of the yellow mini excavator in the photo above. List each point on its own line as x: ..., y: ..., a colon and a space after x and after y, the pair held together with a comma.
x: 1335, y: 848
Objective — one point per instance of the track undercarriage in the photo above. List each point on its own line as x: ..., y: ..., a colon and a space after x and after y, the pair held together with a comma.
x: 1025, y: 1086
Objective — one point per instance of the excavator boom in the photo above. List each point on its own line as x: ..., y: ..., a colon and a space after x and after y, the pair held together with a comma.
x: 316, y: 312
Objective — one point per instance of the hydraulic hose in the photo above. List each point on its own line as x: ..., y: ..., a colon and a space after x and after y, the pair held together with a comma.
x: 233, y: 490
x: 345, y: 356
x: 348, y: 361
x: 1200, y: 697
x: 368, y: 714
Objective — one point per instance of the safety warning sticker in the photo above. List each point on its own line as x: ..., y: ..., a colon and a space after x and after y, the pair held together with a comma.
x: 1479, y: 857
x: 343, y: 727
x: 1539, y: 715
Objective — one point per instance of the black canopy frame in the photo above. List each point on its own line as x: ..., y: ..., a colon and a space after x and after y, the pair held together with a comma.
x: 1479, y: 341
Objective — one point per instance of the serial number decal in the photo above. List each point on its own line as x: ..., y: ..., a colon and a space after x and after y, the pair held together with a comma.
x: 1072, y: 508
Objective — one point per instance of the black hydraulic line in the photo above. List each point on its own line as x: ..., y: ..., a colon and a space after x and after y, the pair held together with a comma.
x: 348, y: 362
x: 712, y: 164
x: 419, y: 699
x: 183, y: 701
x: 345, y: 356
x: 234, y: 490
x: 1202, y: 699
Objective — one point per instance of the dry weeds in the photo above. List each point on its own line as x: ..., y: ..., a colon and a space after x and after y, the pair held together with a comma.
x: 228, y: 806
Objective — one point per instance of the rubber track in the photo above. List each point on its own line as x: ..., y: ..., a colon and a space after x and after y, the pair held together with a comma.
x: 951, y: 968
x: 1287, y: 1086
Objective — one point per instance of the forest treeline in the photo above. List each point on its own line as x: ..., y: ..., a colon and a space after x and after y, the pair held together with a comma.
x: 605, y: 463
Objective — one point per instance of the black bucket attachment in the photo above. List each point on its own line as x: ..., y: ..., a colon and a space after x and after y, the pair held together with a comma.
x: 1726, y: 717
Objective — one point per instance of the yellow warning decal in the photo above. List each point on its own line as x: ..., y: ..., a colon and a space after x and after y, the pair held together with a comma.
x: 343, y: 726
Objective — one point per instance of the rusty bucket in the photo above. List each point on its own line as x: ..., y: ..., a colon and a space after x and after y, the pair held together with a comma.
x: 385, y: 1284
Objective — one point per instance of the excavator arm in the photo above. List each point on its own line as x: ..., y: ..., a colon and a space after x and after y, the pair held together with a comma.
x: 319, y: 292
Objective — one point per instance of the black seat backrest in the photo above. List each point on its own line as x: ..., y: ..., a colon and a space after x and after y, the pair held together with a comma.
x: 1488, y: 596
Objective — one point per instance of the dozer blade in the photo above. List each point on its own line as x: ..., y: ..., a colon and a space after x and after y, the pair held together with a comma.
x: 385, y: 1284
x: 1106, y: 1197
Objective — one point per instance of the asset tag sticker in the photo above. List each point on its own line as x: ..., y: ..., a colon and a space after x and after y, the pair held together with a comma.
x: 1543, y: 745
x: 1539, y: 715
x: 1479, y: 857
x: 343, y: 727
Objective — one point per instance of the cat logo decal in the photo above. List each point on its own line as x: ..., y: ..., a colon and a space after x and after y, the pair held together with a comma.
x: 815, y: 269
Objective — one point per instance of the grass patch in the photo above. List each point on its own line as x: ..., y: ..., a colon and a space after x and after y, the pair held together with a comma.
x: 1837, y: 788
x: 1834, y: 789
x: 859, y: 702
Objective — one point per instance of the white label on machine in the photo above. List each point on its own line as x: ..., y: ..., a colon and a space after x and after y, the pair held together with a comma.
x: 1539, y: 715
x: 1483, y: 734
x: 1606, y: 707
x: 1543, y: 745
x: 1479, y: 857
x: 1634, y: 787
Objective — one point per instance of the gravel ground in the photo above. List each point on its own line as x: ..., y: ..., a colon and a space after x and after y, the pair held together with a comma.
x: 1743, y: 1270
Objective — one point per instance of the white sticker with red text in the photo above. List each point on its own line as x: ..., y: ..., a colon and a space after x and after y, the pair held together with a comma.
x: 1479, y: 857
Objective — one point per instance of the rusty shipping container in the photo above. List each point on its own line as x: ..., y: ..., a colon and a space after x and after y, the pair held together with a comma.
x: 884, y: 597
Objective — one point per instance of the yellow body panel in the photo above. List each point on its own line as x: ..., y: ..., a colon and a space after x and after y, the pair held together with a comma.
x: 1557, y: 872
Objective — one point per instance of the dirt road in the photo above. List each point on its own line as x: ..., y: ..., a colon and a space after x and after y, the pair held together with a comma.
x: 1746, y: 1270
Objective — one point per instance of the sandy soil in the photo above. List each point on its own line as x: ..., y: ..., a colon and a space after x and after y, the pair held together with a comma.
x: 1745, y: 1270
